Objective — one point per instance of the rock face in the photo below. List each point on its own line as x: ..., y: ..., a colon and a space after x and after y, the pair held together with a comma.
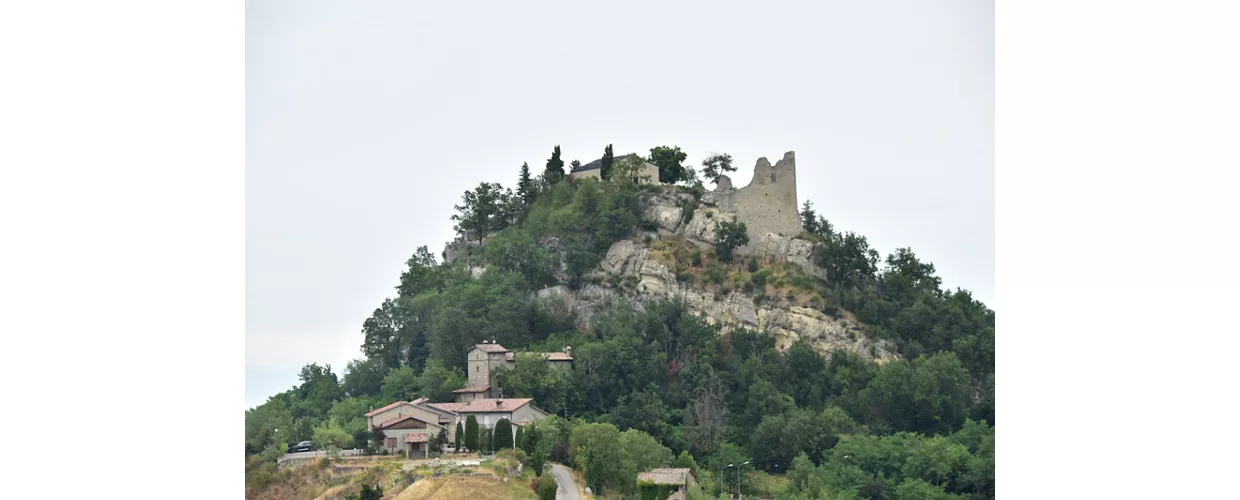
x: 786, y: 322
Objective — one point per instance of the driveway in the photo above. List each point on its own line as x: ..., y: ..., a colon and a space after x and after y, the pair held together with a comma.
x: 566, y: 487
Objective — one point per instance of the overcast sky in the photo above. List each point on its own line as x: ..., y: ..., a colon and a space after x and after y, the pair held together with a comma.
x: 365, y: 121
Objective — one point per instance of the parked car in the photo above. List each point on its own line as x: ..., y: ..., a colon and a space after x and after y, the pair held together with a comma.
x: 302, y: 446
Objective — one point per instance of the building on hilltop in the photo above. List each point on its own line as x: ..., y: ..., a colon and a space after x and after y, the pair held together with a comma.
x: 768, y: 205
x: 648, y: 174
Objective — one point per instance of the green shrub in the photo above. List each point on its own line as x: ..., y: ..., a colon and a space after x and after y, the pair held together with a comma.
x: 759, y: 278
x: 716, y: 273
x: 753, y: 264
x: 696, y: 257
x: 546, y: 486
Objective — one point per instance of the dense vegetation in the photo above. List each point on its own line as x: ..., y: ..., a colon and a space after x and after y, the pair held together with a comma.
x: 654, y: 385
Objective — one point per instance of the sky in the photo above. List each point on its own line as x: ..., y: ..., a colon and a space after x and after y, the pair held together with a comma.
x: 366, y: 121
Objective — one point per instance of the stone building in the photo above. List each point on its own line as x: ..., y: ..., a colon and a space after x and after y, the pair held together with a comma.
x: 648, y: 174
x: 674, y: 481
x: 484, y: 359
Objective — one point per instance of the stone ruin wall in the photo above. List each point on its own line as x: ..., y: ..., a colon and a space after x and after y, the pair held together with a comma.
x: 768, y: 204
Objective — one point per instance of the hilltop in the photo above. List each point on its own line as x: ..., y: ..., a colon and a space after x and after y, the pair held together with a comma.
x: 707, y: 327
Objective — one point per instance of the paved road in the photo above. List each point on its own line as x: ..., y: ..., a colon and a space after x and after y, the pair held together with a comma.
x: 567, y: 488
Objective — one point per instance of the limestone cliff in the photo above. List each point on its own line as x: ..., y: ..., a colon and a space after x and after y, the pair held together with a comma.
x: 633, y: 269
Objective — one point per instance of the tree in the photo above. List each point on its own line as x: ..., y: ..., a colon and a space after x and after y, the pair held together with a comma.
x: 706, y: 416
x: 400, y: 384
x: 728, y: 236
x: 329, y: 435
x: 535, y: 450
x: 485, y: 442
x: 520, y: 438
x: 595, y: 450
x: 809, y: 219
x: 716, y: 165
x: 363, y: 378
x: 268, y: 424
x: 458, y: 437
x: 471, y: 433
x: 525, y: 186
x: 370, y: 492
x: 670, y: 161
x: 574, y: 165
x: 422, y: 274
x: 605, y: 164
x: 479, y: 211
x: 438, y: 381
x: 503, y: 435
x: 628, y: 168
x: 554, y: 172
x: 644, y: 411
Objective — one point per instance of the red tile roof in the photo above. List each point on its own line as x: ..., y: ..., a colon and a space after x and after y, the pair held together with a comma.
x: 417, y: 438
x: 385, y: 408
x: 473, y: 389
x: 490, y: 348
x: 484, y: 405
x: 559, y: 356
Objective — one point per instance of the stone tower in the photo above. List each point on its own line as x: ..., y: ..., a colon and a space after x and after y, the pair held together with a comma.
x: 769, y: 203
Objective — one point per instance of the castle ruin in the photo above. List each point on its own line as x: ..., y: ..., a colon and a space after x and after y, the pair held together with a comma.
x: 768, y: 204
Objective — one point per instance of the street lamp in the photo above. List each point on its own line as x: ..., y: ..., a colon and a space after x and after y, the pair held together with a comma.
x: 738, y: 480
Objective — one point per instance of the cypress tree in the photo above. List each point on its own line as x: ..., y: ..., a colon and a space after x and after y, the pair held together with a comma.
x: 555, y: 168
x: 503, y: 434
x: 520, y: 437
x: 484, y: 440
x: 525, y: 185
x: 608, y: 159
x: 460, y: 434
x: 471, y: 433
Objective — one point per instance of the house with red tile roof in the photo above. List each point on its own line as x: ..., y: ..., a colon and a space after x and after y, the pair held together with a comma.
x: 408, y: 427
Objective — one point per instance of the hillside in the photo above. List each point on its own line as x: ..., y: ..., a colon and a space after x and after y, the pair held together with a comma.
x: 707, y: 327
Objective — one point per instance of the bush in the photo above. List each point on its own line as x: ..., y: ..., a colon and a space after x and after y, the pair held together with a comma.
x: 759, y: 278
x: 753, y: 264
x: 715, y: 273
x: 696, y: 258
x: 546, y: 486
x: 512, y: 454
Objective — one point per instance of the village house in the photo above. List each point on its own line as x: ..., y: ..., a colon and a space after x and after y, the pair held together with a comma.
x: 483, y: 360
x: 677, y: 481
x: 410, y: 427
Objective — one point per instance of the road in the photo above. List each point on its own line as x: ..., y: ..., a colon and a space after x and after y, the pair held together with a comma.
x: 566, y: 487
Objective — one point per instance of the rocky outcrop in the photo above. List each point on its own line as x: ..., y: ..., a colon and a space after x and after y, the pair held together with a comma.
x: 650, y: 279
